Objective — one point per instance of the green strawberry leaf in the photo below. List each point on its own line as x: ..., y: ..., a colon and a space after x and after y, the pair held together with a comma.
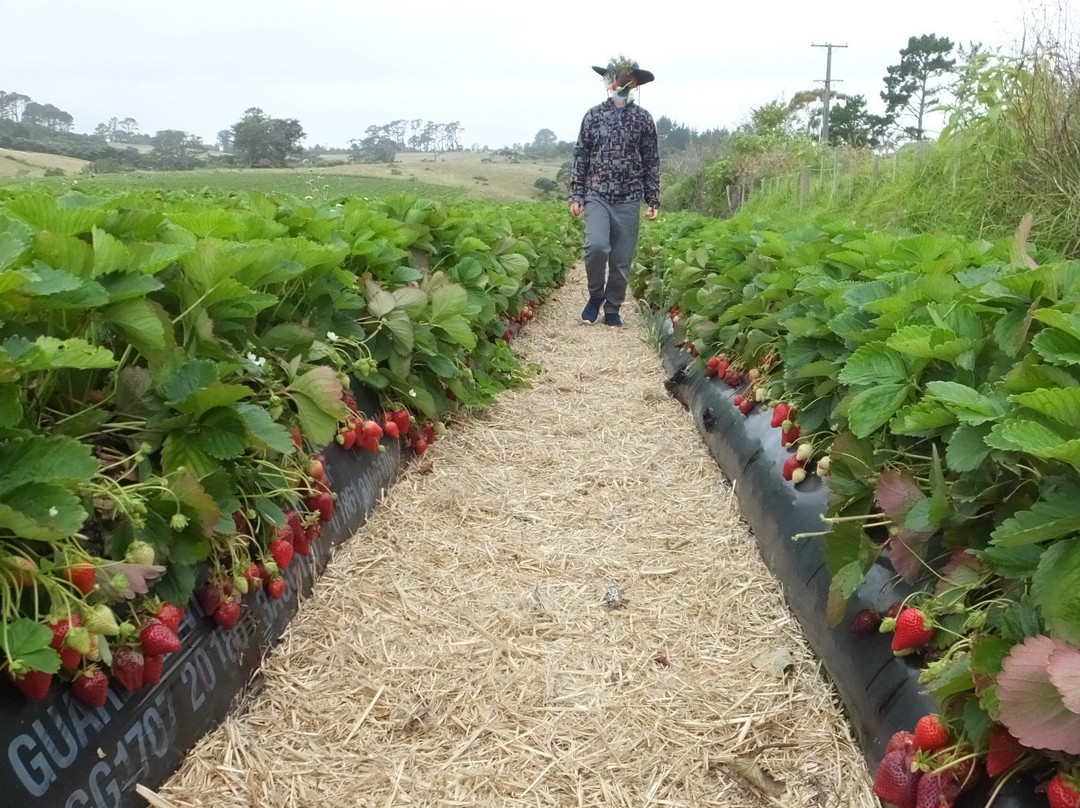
x: 262, y: 427
x: 1054, y: 516
x: 42, y: 512
x: 872, y: 408
x: 27, y: 642
x: 1055, y: 588
x: 220, y: 433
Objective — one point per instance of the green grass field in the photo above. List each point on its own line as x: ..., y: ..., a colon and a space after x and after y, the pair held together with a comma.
x: 299, y: 183
x: 452, y: 176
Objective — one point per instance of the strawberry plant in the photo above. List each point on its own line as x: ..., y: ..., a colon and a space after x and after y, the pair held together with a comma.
x: 171, y: 364
x: 937, y: 379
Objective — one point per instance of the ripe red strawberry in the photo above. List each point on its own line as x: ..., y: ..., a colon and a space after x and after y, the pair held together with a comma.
x: 427, y: 431
x: 350, y: 401
x: 866, y: 621
x: 402, y: 419
x: 303, y: 545
x: 368, y: 444
x: 781, y: 413
x: 158, y: 638
x: 347, y: 438
x: 746, y: 406
x: 69, y: 657
x: 894, y: 608
x: 153, y: 666
x: 790, y: 465
x: 276, y: 587
x: 210, y: 596
x: 284, y: 534
x: 297, y: 436
x: 312, y: 532
x: 895, y: 782
x: 710, y: 371
x: 393, y: 430
x: 324, y: 504
x: 127, y: 667
x: 712, y: 361
x: 790, y: 435
x: 243, y: 526
x: 91, y: 686
x: 733, y: 378
x: 81, y: 575
x: 722, y: 367
x: 296, y: 524
x: 913, y: 631
x: 930, y: 735
x: 34, y: 685
x: 937, y: 790
x: 282, y: 552
x: 737, y: 401
x: 227, y: 614
x: 902, y: 741
x: 373, y: 430
x: 1063, y: 792
x: 170, y: 615
x: 420, y: 446
x: 1004, y: 751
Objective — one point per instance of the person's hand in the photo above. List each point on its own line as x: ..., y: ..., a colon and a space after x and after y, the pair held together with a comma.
x: 652, y: 213
x: 576, y: 208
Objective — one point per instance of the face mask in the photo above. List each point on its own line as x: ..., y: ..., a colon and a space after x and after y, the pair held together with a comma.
x: 622, y: 96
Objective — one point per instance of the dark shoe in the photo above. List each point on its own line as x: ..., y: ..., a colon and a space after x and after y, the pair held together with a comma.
x: 613, y: 319
x: 591, y: 310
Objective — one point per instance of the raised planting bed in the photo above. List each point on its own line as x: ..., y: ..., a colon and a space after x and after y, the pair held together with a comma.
x: 60, y: 752
x: 881, y: 691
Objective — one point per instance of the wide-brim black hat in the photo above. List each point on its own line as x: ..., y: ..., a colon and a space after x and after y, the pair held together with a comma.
x: 621, y: 68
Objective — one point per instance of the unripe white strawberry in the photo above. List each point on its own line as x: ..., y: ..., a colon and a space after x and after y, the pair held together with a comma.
x: 798, y: 475
x: 754, y: 373
x: 804, y: 452
x: 824, y: 466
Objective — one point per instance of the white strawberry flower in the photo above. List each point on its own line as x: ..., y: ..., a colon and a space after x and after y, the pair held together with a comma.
x: 330, y: 335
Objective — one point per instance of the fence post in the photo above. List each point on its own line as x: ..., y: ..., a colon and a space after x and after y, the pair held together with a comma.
x: 804, y: 186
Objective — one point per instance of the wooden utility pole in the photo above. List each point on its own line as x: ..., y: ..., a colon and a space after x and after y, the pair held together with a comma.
x: 828, y: 88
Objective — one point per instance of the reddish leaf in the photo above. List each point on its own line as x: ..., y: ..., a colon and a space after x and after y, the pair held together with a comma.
x: 906, y: 551
x: 1064, y: 671
x: 1031, y: 706
x: 896, y: 493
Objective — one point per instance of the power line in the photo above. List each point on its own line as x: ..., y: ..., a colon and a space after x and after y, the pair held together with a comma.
x: 828, y: 88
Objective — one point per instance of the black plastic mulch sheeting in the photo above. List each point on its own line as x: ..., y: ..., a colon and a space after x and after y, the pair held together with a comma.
x: 59, y: 753
x: 880, y: 690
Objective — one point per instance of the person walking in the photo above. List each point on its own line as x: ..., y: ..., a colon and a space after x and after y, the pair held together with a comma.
x: 616, y: 168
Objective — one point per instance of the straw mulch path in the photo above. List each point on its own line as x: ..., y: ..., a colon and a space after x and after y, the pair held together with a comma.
x: 463, y: 649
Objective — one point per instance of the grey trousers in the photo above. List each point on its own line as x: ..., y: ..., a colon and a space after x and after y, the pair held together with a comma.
x: 611, y: 234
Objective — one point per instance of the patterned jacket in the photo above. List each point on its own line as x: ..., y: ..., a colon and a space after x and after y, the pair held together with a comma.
x: 616, y: 156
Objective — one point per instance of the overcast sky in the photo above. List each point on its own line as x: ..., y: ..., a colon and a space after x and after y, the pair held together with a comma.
x: 504, y: 70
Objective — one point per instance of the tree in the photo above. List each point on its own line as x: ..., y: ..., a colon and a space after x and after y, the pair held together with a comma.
x: 225, y: 140
x: 373, y: 149
x: 129, y: 127
x: 546, y: 186
x: 175, y: 150
x: 910, y: 89
x: 852, y: 124
x: 259, y: 140
x: 47, y: 115
x: 544, y: 139
x: 12, y: 105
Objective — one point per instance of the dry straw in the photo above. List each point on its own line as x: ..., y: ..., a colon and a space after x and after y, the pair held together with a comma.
x: 465, y: 649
